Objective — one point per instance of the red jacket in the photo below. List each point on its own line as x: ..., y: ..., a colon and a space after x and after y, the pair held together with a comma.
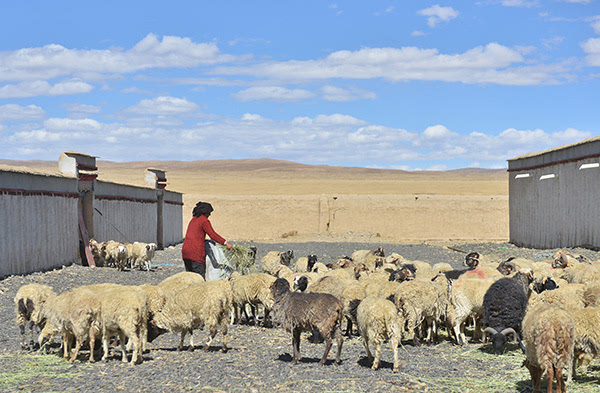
x: 193, y: 245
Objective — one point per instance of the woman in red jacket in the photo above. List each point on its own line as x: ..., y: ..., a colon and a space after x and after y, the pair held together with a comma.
x: 193, y: 253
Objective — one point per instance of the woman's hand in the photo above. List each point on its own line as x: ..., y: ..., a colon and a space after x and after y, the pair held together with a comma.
x: 229, y: 246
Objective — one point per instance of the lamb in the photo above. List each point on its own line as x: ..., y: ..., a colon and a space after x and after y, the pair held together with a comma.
x: 305, y: 264
x: 378, y: 320
x: 125, y: 312
x: 504, y: 307
x: 74, y: 314
x: 298, y: 312
x: 141, y: 254
x: 117, y: 253
x: 206, y: 304
x: 421, y: 301
x: 29, y: 302
x: 275, y: 258
x: 549, y: 332
x: 252, y: 289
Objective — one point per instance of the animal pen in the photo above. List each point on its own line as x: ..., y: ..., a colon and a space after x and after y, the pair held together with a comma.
x: 45, y: 220
x: 553, y: 197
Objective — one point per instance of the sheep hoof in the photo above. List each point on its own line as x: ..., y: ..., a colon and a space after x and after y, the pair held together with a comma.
x: 191, y: 348
x: 205, y: 348
x: 295, y: 361
x: 224, y: 349
x: 374, y: 367
x: 92, y: 361
x: 338, y: 362
x: 395, y: 369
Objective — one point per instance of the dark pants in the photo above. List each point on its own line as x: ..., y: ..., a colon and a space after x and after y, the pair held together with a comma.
x: 196, y: 267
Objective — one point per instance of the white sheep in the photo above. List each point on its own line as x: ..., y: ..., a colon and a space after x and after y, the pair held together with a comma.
x: 252, y: 289
x: 466, y: 300
x: 587, y: 335
x: 117, y: 253
x: 75, y: 314
x: 549, y: 333
x: 141, y: 255
x: 377, y: 321
x: 422, y: 301
x: 275, y: 258
x: 125, y: 312
x: 29, y: 302
x: 206, y: 304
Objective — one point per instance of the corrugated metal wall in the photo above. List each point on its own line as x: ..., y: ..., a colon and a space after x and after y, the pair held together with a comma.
x: 38, y: 222
x: 560, y: 211
x: 172, y: 222
x: 39, y: 219
x: 124, y: 221
x: 32, y: 237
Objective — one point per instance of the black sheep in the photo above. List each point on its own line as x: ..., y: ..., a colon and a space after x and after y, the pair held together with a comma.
x: 504, y: 307
x: 299, y: 312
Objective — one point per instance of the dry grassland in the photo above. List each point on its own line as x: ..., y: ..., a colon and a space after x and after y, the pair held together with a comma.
x: 268, y: 199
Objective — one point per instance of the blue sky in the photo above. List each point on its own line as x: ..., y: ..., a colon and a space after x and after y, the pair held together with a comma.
x: 386, y: 84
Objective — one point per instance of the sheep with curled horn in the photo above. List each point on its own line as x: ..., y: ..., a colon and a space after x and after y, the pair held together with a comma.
x: 298, y: 312
x: 504, y: 307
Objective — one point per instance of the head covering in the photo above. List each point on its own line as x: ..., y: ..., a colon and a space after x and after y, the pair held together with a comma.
x: 202, y: 208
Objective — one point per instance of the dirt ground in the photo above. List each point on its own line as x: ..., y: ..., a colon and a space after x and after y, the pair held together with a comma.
x: 259, y: 359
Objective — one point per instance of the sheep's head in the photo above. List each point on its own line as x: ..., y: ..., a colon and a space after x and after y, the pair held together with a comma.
x: 286, y: 257
x: 154, y: 331
x: 312, y: 259
x: 562, y: 259
x: 402, y: 274
x: 360, y: 270
x: 498, y: 339
x: 507, y: 267
x: 280, y: 287
x: 544, y: 284
x: 300, y: 283
x: 379, y: 251
x: 472, y: 260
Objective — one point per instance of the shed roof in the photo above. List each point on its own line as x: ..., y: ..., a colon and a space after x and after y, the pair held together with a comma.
x: 558, y: 148
x: 585, y: 149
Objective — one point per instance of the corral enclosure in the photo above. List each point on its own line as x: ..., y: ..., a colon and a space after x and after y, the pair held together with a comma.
x: 40, y: 220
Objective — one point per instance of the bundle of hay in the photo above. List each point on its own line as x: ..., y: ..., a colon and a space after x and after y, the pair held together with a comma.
x: 241, y: 258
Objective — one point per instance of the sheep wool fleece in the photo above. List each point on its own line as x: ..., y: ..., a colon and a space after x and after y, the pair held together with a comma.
x: 193, y: 245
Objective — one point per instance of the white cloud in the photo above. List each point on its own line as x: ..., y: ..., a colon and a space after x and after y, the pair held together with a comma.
x: 334, y: 139
x: 56, y: 124
x: 519, y: 3
x: 43, y: 88
x: 251, y: 117
x: 52, y: 61
x: 553, y: 42
x: 592, y: 48
x: 165, y: 106
x: 82, y: 110
x: 14, y: 112
x: 596, y: 26
x: 437, y: 14
x: 492, y: 63
x: 333, y: 93
x: 272, y: 93
x: 577, y: 1
x: 417, y: 33
x: 437, y: 132
x: 327, y: 120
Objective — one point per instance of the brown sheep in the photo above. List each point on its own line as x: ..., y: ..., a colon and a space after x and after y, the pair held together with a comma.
x: 298, y: 312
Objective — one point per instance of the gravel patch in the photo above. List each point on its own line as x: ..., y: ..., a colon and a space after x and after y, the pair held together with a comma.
x: 260, y: 358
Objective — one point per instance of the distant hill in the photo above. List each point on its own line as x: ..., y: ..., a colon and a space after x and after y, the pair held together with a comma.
x: 241, y: 165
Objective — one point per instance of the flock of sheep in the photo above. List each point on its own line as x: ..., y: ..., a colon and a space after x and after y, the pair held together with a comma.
x: 123, y: 255
x: 553, y: 306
